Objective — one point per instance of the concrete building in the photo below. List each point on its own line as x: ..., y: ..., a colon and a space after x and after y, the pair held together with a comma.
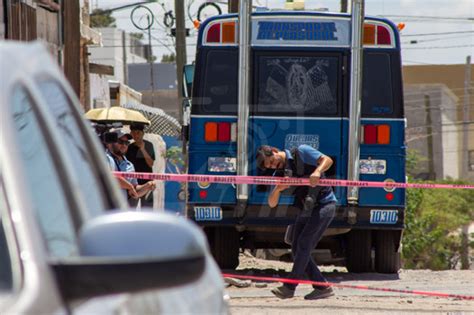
x: 433, y: 130
x: 108, y: 75
x: 118, y: 49
x: 453, y: 78
x: 165, y: 94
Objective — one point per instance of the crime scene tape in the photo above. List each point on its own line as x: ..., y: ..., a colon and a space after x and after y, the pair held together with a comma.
x: 291, y: 181
x: 349, y: 286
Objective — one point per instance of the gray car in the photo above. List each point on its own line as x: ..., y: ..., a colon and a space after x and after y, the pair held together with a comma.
x: 68, y: 243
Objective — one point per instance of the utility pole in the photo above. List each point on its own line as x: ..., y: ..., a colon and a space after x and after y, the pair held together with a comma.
x: 429, y: 139
x: 465, y: 160
x: 180, y: 51
x: 465, y: 118
x: 150, y: 60
x: 344, y: 6
x: 233, y: 6
x: 124, y: 58
x: 72, y: 44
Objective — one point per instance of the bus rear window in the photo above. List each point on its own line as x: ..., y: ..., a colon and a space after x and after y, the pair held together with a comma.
x: 377, y: 97
x: 297, y: 85
x: 219, y: 84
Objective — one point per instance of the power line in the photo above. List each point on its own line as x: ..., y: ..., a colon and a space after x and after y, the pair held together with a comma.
x: 418, y: 62
x: 412, y: 103
x: 439, y: 33
x: 434, y: 124
x: 422, y: 92
x: 422, y: 136
x: 161, y: 42
x: 439, y: 47
x: 429, y: 93
x: 469, y: 19
x: 441, y: 109
x: 137, y: 46
x: 417, y: 41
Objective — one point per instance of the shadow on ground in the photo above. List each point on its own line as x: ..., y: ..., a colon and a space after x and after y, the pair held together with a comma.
x: 334, y: 276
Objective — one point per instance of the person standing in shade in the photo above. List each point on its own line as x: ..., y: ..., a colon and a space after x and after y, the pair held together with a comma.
x: 142, y: 154
x: 317, y: 205
x: 118, y: 163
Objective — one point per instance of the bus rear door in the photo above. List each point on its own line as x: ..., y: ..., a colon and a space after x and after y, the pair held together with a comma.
x: 297, y: 99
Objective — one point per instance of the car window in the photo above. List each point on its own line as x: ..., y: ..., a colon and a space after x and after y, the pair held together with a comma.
x: 76, y: 149
x: 43, y: 182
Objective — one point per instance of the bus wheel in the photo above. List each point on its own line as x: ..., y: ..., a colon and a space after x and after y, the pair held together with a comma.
x: 224, y: 243
x: 387, y: 258
x: 358, y: 251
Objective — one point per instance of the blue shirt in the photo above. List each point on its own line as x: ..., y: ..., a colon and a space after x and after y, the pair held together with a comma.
x: 310, y: 155
x: 121, y: 166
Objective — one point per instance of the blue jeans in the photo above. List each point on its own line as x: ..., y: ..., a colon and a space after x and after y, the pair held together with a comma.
x: 307, y: 232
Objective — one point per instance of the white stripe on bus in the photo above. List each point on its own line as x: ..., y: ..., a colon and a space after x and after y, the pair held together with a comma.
x: 297, y: 118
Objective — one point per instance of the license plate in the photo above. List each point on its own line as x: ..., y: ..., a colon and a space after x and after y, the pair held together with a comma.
x: 383, y: 216
x: 207, y: 213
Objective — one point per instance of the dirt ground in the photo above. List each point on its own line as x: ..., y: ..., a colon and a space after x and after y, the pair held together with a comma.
x: 259, y: 300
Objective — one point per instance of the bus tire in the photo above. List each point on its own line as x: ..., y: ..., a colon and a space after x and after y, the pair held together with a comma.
x: 359, y: 251
x: 387, y: 257
x: 224, y: 243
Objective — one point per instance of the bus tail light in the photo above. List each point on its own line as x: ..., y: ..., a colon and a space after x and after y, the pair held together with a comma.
x: 383, y: 36
x: 203, y: 194
x: 228, y: 32
x: 214, y: 34
x: 369, y: 34
x: 224, y: 33
x: 222, y: 132
x: 376, y: 134
x: 383, y: 134
x: 377, y: 35
x: 370, y: 134
x: 210, y: 132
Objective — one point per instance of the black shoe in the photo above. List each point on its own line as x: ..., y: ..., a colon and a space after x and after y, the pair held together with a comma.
x: 283, y: 292
x: 319, y: 294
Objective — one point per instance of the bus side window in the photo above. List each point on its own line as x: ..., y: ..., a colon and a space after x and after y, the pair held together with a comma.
x: 377, y: 97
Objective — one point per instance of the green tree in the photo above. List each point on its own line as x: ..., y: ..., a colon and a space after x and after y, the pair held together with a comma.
x: 168, y: 58
x: 433, y: 220
x: 138, y: 36
x: 102, y: 18
x: 413, y: 160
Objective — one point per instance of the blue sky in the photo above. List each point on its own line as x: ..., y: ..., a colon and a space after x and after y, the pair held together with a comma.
x: 421, y: 17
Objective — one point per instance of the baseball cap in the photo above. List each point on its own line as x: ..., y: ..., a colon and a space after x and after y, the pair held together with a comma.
x: 121, y: 133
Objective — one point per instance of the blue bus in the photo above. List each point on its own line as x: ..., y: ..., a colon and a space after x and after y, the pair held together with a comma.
x: 299, y: 94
